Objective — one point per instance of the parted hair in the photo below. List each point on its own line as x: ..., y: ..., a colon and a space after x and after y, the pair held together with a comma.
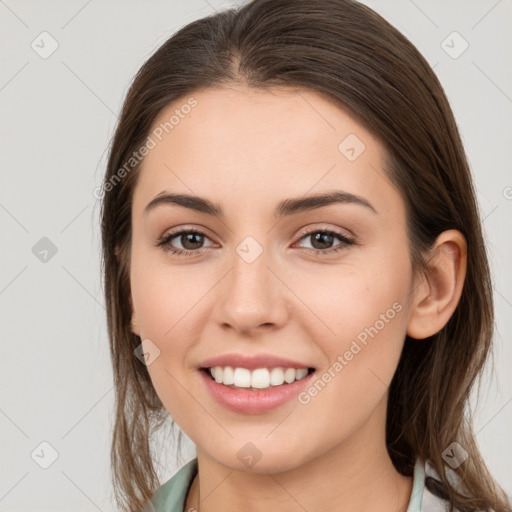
x: 352, y: 56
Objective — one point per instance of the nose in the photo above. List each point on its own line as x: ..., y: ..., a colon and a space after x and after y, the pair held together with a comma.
x: 251, y: 298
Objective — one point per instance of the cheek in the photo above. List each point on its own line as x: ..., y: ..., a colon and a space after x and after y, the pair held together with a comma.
x: 353, y: 300
x: 166, y: 300
x: 165, y: 296
x: 360, y: 329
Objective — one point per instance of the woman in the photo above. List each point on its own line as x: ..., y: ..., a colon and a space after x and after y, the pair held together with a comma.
x: 295, y: 271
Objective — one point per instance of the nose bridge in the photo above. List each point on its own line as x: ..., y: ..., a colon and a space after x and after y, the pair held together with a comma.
x: 251, y: 296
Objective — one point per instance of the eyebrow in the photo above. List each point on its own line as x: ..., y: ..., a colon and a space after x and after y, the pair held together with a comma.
x: 284, y: 208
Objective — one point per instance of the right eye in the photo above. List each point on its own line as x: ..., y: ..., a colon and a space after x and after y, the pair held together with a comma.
x: 190, y: 240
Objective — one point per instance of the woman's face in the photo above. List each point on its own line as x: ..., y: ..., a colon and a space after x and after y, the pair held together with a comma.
x: 262, y: 281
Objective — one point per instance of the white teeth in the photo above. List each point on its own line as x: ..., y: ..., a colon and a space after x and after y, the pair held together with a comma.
x: 228, y: 376
x: 242, y: 378
x: 301, y: 373
x: 218, y: 374
x: 261, y: 378
x: 289, y: 375
x: 276, y: 376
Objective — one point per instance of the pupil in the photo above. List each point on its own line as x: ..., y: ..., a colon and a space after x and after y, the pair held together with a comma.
x: 189, y: 237
x: 318, y: 237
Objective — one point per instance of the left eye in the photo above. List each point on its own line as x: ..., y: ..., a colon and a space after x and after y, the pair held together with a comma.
x: 192, y: 241
x: 324, y: 237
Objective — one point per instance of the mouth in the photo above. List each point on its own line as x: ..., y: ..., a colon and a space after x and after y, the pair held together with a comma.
x: 258, y: 379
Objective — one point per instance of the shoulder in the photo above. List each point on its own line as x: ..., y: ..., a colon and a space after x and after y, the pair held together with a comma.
x: 433, y: 497
x: 432, y: 501
x: 171, y: 495
x: 422, y: 498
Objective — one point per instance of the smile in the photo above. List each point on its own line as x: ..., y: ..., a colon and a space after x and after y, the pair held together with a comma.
x: 256, y: 391
x: 259, y: 378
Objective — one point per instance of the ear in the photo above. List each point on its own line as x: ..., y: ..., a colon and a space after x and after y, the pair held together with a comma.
x: 133, y: 322
x: 437, y: 296
x: 134, y: 326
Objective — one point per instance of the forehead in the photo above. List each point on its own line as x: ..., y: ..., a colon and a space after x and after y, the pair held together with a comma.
x: 240, y: 142
x: 282, y: 116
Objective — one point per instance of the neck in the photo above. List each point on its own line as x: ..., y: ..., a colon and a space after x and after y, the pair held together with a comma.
x: 356, y: 474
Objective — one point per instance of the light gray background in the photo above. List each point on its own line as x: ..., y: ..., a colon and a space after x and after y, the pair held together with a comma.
x: 58, y: 114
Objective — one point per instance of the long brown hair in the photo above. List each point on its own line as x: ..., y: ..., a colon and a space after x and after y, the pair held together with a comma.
x: 352, y: 56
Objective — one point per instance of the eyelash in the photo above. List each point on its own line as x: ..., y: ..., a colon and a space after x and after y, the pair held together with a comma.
x: 164, y: 242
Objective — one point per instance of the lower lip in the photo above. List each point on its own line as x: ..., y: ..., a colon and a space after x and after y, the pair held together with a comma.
x: 254, y: 402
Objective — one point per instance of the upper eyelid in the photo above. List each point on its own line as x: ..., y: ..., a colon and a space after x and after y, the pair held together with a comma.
x: 336, y: 231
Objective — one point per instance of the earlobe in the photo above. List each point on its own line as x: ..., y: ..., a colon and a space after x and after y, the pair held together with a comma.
x: 134, y: 327
x: 436, y: 298
x: 133, y: 323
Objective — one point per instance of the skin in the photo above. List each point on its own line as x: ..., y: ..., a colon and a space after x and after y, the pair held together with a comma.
x: 246, y: 150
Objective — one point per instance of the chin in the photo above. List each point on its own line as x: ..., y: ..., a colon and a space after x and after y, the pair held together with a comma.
x: 255, y: 457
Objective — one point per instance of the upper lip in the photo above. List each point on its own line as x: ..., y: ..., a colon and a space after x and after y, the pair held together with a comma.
x: 251, y: 362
